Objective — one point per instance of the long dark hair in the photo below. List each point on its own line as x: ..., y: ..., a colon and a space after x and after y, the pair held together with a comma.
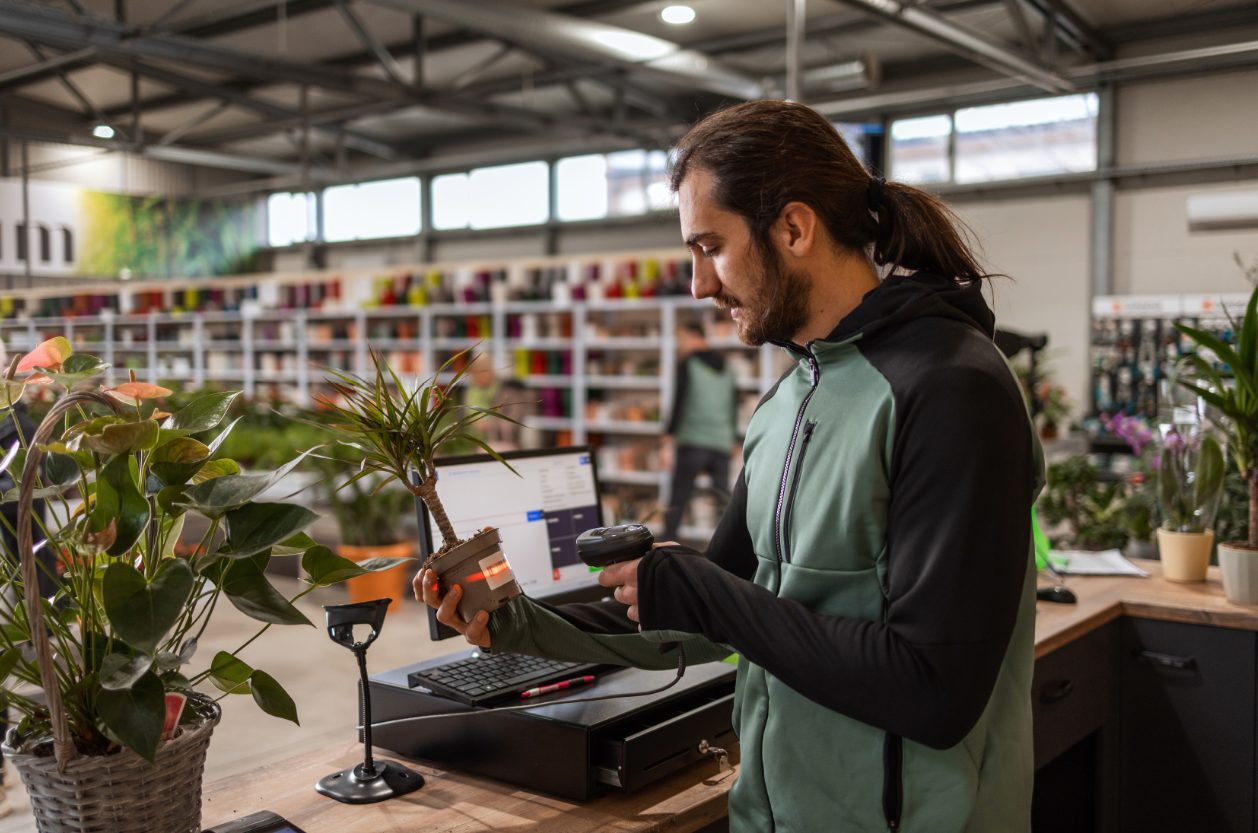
x: 765, y: 154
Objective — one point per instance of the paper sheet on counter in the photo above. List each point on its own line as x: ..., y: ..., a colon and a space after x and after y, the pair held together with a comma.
x: 1098, y: 563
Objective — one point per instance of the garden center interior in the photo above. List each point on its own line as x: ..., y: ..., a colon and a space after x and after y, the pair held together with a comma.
x: 275, y: 196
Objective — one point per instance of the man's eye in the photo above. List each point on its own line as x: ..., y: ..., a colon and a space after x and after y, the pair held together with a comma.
x: 708, y: 252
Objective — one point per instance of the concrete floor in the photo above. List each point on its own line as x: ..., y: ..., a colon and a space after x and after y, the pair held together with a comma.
x: 319, y: 675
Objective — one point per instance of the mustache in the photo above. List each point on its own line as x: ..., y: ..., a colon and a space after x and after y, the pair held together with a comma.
x: 726, y: 301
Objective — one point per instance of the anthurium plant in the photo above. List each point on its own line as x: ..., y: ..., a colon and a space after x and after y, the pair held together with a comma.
x: 124, y: 484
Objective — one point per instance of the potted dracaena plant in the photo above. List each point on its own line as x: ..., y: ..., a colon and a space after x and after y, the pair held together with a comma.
x: 399, y: 432
x: 116, y: 737
x: 1231, y: 387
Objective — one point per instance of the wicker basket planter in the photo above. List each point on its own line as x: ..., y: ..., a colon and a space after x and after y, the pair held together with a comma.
x: 123, y: 793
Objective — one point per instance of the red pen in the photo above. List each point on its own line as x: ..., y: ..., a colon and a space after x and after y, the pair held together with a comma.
x: 560, y: 686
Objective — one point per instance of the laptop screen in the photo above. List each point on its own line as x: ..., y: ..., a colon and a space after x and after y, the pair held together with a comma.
x: 539, y: 514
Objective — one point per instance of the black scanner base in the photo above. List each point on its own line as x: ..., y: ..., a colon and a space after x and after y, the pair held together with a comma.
x: 571, y: 750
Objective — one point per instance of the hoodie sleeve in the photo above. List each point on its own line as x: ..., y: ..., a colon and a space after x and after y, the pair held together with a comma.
x: 957, y: 554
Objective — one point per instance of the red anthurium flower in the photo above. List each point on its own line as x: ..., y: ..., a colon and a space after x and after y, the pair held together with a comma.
x: 50, y: 354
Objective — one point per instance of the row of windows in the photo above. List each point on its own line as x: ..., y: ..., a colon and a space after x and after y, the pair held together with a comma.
x: 976, y: 144
x: 44, y: 237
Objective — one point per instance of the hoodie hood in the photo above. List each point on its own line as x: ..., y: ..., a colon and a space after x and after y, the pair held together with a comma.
x: 901, y: 298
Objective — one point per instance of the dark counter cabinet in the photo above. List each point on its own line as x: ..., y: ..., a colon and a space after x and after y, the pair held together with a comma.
x: 1186, y: 712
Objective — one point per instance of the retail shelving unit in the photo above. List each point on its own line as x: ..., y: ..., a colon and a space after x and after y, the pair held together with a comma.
x: 596, y: 370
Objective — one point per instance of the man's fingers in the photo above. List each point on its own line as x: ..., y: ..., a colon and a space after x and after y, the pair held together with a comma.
x: 427, y: 582
x: 659, y: 544
x: 632, y: 613
x: 448, y: 612
x: 626, y: 595
x: 477, y: 631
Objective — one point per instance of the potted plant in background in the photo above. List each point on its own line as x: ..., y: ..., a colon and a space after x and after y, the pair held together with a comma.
x: 117, y: 740
x: 1085, y: 512
x: 1233, y: 391
x: 1191, y: 469
x: 370, y: 524
x: 398, y: 433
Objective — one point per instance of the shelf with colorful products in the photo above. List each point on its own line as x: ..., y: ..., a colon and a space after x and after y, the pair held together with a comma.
x: 1134, y: 344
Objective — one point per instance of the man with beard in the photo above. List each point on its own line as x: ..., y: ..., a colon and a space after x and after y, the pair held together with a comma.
x: 874, y: 567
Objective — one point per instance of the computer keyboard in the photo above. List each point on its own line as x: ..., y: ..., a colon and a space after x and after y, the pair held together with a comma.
x: 484, y: 679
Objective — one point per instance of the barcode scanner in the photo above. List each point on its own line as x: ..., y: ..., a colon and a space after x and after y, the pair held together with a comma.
x: 606, y: 545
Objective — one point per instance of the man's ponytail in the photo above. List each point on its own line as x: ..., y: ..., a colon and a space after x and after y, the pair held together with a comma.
x: 916, y: 231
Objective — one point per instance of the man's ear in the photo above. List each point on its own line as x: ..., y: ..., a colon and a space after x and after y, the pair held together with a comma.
x: 796, y: 229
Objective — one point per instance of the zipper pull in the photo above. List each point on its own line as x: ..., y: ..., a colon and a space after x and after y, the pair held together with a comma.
x: 814, y: 369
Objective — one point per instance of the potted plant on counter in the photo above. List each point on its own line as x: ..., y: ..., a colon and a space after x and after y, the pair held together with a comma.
x: 1190, y: 482
x: 115, y: 738
x: 1232, y: 389
x: 399, y: 432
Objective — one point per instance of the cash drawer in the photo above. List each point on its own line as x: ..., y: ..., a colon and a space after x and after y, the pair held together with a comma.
x: 644, y: 751
x: 1071, y: 693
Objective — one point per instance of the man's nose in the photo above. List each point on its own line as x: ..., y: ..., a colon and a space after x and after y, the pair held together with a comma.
x: 704, y: 283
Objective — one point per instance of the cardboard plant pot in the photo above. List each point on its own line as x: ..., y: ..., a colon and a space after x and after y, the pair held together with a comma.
x: 1185, y: 555
x: 1239, y: 566
x: 479, y: 566
x: 387, y: 584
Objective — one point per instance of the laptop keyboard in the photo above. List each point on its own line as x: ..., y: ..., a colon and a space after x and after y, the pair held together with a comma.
x: 483, y: 679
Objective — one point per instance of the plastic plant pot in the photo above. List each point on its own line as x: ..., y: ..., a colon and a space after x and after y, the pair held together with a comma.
x: 479, y: 566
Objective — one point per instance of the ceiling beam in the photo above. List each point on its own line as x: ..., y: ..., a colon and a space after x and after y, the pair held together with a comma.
x: 1073, y: 28
x: 966, y: 42
x: 542, y: 31
x: 49, y: 65
x: 368, y: 40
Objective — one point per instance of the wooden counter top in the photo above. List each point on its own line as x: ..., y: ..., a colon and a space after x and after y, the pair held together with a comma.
x: 1105, y: 598
x: 457, y: 803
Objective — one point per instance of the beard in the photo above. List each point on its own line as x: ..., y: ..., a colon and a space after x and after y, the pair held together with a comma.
x: 775, y: 307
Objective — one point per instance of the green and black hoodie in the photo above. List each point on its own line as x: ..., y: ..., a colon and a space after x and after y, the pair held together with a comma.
x: 873, y: 571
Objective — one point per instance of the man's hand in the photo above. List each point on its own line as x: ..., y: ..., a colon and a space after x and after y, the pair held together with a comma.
x: 447, y: 607
x: 624, y: 578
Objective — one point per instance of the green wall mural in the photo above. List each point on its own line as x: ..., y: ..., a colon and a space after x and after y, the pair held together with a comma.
x: 156, y: 237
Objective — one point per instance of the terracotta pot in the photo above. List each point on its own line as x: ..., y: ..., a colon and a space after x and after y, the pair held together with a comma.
x: 1239, y: 566
x: 480, y: 568
x: 389, y: 584
x: 1185, y: 555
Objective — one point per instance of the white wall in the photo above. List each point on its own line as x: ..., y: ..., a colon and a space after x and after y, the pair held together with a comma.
x: 117, y: 173
x: 1202, y: 117
x: 1042, y: 245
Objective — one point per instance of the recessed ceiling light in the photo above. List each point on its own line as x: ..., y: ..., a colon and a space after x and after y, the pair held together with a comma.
x: 103, y: 131
x: 677, y: 15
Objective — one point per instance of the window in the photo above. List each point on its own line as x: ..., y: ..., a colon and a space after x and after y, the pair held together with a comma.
x: 385, y: 208
x: 67, y: 244
x: 919, y: 149
x: 290, y: 218
x: 1026, y: 138
x: 862, y: 138
x: 612, y: 185
x: 45, y: 244
x: 22, y: 241
x: 1001, y: 141
x: 497, y: 197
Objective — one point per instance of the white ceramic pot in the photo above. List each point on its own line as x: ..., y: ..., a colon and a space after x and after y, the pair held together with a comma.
x: 1185, y: 555
x: 1239, y: 566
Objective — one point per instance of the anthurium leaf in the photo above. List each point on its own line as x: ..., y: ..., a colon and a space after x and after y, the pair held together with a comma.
x: 135, y: 715
x: 168, y: 660
x: 297, y: 544
x: 83, y: 363
x: 119, y: 672
x: 175, y: 461
x: 61, y: 469
x: 254, y: 527
x: 379, y: 565
x: 245, y: 583
x: 217, y: 441
x: 215, y: 468
x: 229, y: 674
x: 172, y: 499
x: 119, y: 500
x: 11, y: 392
x: 172, y: 528
x: 272, y: 697
x: 8, y: 661
x: 203, y: 413
x: 214, y: 498
x: 140, y: 611
x: 324, y: 567
x: 123, y: 437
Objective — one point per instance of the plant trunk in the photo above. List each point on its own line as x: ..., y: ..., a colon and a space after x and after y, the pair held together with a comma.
x: 427, y: 492
x: 1253, y: 509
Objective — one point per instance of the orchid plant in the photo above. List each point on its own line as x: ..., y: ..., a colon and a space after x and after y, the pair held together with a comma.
x: 122, y: 481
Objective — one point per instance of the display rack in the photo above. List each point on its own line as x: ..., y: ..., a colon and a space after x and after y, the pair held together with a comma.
x: 594, y: 369
x: 1134, y: 344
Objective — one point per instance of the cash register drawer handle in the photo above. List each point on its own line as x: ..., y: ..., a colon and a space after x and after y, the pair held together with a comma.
x: 1057, y: 692
x: 1167, y: 661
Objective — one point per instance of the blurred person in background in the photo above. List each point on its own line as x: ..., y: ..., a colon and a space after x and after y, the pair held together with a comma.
x: 702, y: 432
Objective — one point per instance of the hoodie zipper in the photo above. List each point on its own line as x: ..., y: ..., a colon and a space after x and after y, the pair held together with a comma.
x: 778, y: 541
x: 892, y: 780
x: 809, y: 427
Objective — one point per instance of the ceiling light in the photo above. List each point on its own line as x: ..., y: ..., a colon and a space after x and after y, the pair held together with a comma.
x: 103, y: 131
x: 677, y: 15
